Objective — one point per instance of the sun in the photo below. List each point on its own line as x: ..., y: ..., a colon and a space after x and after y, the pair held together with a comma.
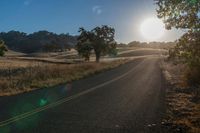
x: 152, y: 29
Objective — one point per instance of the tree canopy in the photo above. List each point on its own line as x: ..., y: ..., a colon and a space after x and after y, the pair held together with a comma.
x: 100, y: 39
x: 184, y: 14
x: 179, y: 13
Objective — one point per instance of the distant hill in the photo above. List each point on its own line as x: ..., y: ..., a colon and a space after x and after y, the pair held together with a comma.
x: 41, y: 41
x: 159, y: 45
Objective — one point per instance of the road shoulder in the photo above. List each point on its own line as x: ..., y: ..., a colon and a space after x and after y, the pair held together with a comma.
x: 182, y: 108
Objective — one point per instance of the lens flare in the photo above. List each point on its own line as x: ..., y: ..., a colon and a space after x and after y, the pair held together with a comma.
x: 42, y: 102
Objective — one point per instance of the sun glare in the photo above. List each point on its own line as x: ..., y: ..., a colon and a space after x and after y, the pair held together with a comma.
x: 152, y: 29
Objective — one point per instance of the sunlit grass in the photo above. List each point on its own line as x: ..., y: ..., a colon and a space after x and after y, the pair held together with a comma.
x: 14, y: 80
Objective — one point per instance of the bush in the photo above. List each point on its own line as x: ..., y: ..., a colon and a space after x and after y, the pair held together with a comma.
x: 187, y: 51
x: 2, y: 48
x: 193, y: 76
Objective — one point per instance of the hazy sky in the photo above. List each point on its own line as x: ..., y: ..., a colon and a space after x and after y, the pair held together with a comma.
x: 66, y: 16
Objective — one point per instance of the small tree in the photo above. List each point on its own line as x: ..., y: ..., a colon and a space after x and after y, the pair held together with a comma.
x: 100, y: 39
x: 2, y: 48
x: 103, y: 40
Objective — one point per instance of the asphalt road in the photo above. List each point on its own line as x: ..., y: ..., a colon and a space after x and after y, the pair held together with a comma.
x: 127, y: 99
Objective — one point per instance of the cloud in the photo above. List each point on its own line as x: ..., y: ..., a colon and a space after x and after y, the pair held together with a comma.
x: 97, y: 10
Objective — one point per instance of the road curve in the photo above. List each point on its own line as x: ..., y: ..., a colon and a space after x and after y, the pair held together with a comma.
x: 129, y: 98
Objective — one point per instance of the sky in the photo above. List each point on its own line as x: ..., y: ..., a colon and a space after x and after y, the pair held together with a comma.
x: 66, y: 16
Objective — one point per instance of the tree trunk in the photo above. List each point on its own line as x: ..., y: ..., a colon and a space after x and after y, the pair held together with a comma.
x: 87, y: 58
x: 97, y: 57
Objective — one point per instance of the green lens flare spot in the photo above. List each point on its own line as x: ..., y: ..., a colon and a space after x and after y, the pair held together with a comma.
x: 43, y: 102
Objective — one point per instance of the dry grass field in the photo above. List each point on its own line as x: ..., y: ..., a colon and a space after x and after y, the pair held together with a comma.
x: 25, y: 72
x: 17, y: 76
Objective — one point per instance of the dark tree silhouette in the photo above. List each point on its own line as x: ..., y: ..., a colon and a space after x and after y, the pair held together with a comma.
x: 2, y: 48
x: 103, y: 40
x: 100, y: 39
x: 38, y: 41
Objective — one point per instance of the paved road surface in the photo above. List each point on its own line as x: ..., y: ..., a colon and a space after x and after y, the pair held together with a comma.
x: 125, y: 99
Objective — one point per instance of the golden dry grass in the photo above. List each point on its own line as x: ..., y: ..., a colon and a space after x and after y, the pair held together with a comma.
x: 182, y: 109
x: 10, y: 63
x: 18, y: 76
